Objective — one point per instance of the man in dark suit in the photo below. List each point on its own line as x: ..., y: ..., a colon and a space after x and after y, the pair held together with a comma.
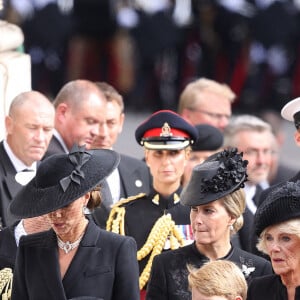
x: 290, y: 112
x: 279, y: 170
x: 254, y: 138
x: 29, y: 127
x: 132, y: 175
x: 93, y: 114
x: 79, y: 109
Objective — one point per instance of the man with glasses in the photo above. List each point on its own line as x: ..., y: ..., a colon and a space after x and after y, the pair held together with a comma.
x: 255, y: 139
x: 205, y: 101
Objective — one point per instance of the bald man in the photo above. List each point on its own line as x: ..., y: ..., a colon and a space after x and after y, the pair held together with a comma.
x: 80, y: 107
x: 29, y: 128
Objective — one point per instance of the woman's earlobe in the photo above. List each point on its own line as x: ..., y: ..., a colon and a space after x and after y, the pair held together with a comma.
x: 87, y: 197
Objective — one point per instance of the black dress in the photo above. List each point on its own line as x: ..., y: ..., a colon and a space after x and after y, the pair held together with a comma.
x: 169, y: 275
x: 269, y: 287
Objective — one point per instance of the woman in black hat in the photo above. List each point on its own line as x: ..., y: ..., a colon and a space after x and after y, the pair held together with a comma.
x: 277, y: 223
x: 75, y: 259
x: 151, y: 218
x: 217, y: 202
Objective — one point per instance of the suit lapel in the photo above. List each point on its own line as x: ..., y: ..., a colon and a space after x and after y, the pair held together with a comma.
x: 9, y: 186
x: 55, y: 147
x: 49, y: 253
x: 82, y: 258
x: 9, y: 173
x: 13, y: 187
x: 128, y: 187
x: 123, y: 172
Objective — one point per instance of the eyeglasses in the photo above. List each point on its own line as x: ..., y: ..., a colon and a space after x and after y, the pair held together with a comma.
x: 256, y: 152
x: 215, y: 116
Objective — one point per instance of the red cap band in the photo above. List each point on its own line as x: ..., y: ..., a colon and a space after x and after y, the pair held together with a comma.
x: 158, y: 132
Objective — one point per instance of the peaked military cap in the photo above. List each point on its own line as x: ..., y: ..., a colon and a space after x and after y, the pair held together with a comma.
x: 166, y: 130
x: 291, y: 112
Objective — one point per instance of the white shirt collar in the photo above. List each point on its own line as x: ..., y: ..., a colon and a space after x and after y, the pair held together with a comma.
x: 113, y: 181
x: 250, y: 192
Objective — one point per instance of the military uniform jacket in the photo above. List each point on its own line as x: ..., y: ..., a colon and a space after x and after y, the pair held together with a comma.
x: 169, y: 275
x: 269, y: 287
x: 142, y: 213
x: 104, y: 267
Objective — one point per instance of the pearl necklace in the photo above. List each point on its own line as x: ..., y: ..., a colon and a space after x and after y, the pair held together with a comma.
x: 67, y: 246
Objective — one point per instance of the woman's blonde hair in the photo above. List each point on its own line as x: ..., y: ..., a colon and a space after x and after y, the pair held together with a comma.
x: 218, y: 278
x: 235, y: 204
x: 290, y: 227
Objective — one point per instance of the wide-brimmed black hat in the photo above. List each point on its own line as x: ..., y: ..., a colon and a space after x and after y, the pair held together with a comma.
x: 219, y: 175
x: 281, y: 204
x: 210, y: 138
x: 165, y: 130
x: 61, y: 179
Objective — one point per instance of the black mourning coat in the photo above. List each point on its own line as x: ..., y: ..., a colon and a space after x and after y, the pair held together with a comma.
x: 269, y: 287
x: 104, y: 266
x: 169, y: 275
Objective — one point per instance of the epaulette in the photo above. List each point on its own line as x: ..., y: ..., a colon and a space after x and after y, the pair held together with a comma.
x: 129, y: 199
x: 115, y: 221
x: 6, y: 277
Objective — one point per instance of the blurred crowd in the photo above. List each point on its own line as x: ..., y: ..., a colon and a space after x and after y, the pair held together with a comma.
x: 211, y: 194
x: 150, y: 50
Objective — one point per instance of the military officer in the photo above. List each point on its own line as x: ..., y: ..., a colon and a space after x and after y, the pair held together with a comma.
x: 157, y: 220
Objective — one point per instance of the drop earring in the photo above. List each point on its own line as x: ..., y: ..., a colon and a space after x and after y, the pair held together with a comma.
x: 85, y: 210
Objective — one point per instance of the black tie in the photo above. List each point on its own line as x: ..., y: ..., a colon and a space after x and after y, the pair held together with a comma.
x: 256, y: 198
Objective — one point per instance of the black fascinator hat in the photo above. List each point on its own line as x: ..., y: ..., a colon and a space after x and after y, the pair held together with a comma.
x: 219, y: 175
x: 281, y: 204
x: 63, y: 178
